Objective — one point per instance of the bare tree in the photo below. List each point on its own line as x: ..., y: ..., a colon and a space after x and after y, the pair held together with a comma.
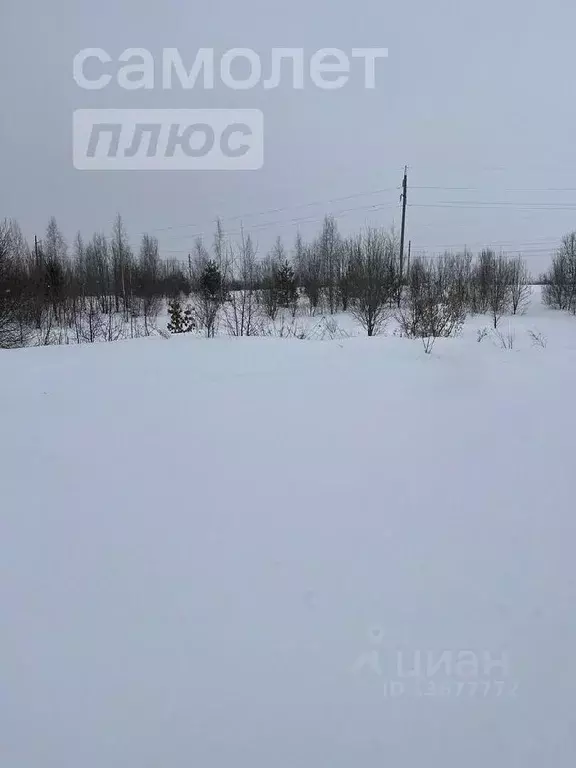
x: 499, y: 290
x: 91, y: 323
x: 371, y: 275
x: 55, y: 247
x: 559, y: 282
x: 121, y: 264
x: 271, y: 290
x: 520, y: 288
x: 329, y: 247
x: 241, y: 311
x: 13, y: 332
x: 482, y: 277
x: 491, y: 285
x: 149, y: 281
x: 454, y: 275
x: 308, y: 261
x: 55, y: 252
x: 223, y: 259
x: 345, y: 286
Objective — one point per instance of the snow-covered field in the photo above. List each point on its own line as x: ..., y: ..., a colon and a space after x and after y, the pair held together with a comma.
x: 274, y: 553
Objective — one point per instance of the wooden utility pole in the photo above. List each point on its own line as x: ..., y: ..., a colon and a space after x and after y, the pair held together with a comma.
x: 404, y: 199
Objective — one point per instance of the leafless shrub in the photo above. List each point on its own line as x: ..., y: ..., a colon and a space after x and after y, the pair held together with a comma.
x: 286, y: 328
x: 481, y: 334
x: 505, y: 340
x: 538, y: 339
x: 90, y: 322
x: 242, y: 313
x: 432, y: 306
x: 428, y: 344
x: 327, y: 328
x: 114, y: 327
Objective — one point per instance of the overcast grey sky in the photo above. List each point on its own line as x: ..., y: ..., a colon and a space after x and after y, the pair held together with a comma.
x: 474, y: 94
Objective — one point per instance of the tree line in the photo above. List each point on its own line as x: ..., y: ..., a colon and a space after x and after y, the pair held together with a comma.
x: 101, y: 289
x: 97, y: 289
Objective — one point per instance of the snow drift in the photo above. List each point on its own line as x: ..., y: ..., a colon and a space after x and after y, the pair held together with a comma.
x: 265, y: 552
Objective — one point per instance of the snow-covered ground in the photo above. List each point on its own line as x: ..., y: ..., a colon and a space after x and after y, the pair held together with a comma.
x: 274, y: 553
